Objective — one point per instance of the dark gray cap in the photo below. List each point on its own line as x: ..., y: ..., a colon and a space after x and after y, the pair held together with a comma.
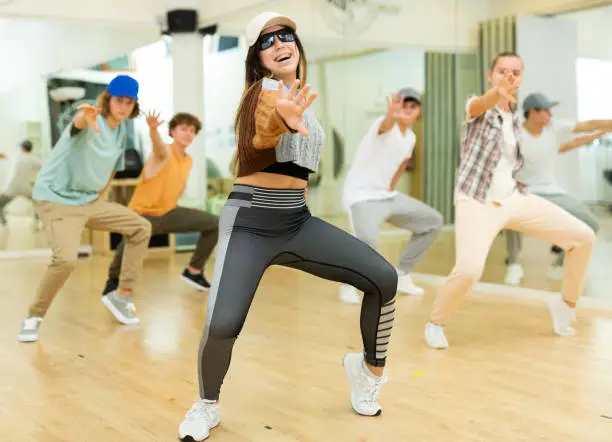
x: 538, y: 101
x: 410, y: 93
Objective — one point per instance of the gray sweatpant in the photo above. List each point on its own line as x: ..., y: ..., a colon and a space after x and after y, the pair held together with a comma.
x: 402, y: 211
x: 514, y: 240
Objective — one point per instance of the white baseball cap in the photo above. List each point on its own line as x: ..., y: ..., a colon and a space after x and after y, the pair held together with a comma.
x: 265, y: 20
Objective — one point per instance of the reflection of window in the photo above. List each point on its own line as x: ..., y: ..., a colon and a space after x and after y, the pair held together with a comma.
x: 593, y: 87
x: 593, y: 84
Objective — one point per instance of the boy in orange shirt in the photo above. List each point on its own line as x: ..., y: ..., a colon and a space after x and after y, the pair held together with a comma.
x: 163, y: 181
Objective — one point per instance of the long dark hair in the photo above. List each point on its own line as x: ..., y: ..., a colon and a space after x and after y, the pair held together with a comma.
x: 255, y: 72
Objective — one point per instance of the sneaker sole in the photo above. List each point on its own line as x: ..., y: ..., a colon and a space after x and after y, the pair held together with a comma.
x: 569, y: 331
x: 193, y: 284
x: 378, y: 413
x: 189, y: 438
x: 21, y: 338
x: 411, y: 292
x: 117, y: 314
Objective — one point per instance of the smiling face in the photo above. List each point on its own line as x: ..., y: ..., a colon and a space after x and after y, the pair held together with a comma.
x: 282, y: 57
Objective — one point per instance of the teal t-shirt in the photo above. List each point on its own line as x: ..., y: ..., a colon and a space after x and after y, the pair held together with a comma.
x: 81, y: 164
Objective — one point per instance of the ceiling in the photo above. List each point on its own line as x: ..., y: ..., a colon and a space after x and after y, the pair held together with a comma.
x: 43, y: 36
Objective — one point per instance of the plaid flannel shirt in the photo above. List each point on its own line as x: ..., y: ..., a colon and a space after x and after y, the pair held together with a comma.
x: 482, y: 144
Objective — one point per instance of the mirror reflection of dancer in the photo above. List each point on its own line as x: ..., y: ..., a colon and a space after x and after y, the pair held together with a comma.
x: 488, y: 199
x: 22, y: 177
x: 542, y: 140
x: 164, y: 178
x: 369, y: 194
x: 266, y: 221
x: 70, y: 190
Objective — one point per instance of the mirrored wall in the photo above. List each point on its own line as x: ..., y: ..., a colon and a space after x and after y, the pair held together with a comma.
x: 358, y: 54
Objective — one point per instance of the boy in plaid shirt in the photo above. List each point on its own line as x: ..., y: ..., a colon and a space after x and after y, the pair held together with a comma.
x: 489, y: 199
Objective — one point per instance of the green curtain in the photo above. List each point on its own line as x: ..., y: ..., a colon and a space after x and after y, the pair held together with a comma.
x: 494, y: 36
x: 450, y: 78
x: 441, y: 134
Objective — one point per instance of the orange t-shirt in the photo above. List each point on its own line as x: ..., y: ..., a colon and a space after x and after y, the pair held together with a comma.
x: 160, y: 194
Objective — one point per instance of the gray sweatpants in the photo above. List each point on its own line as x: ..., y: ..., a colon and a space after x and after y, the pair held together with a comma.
x: 5, y: 199
x: 514, y: 240
x: 402, y: 211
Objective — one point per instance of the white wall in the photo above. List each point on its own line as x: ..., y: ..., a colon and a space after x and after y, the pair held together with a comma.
x: 32, y: 48
x: 223, y: 86
x: 549, y: 48
x: 594, y: 32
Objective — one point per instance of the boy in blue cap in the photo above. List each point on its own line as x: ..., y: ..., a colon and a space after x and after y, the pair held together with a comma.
x: 69, y: 191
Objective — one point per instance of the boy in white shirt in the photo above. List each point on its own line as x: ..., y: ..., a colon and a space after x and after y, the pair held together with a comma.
x: 369, y: 194
x: 542, y: 142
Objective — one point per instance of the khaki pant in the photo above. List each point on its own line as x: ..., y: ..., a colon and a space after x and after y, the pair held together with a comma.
x: 64, y: 226
x: 478, y: 224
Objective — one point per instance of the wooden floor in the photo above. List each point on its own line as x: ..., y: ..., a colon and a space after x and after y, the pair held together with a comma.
x: 505, y: 377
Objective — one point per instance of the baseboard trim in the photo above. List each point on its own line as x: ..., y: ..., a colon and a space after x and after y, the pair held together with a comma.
x: 84, y: 251
x: 513, y: 292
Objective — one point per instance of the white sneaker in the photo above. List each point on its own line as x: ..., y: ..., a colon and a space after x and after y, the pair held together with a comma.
x: 365, y: 386
x: 29, y: 329
x: 349, y: 295
x: 555, y: 273
x: 405, y: 284
x: 562, y: 315
x: 514, y: 275
x: 199, y: 420
x: 434, y: 336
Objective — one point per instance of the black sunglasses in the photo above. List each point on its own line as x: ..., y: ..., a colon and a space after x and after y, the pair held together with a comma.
x: 267, y: 40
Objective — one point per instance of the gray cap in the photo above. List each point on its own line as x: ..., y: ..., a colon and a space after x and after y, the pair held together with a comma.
x: 538, y: 101
x: 410, y: 93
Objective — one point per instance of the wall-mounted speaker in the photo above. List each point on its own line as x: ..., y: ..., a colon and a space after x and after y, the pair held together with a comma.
x: 182, y: 21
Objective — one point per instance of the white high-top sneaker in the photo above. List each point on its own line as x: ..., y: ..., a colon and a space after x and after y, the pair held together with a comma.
x: 435, y: 337
x: 365, y: 386
x: 515, y: 274
x: 562, y: 315
x: 349, y: 295
x: 555, y: 272
x: 199, y: 420
x: 29, y: 329
x: 405, y: 284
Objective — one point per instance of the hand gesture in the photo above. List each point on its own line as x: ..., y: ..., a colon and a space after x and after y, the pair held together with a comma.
x: 507, y: 87
x: 395, y: 106
x: 153, y: 121
x: 291, y: 107
x: 90, y: 114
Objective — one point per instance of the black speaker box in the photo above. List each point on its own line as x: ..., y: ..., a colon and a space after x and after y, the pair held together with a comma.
x: 182, y: 20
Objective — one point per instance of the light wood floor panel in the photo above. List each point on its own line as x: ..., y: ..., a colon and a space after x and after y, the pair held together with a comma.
x: 505, y: 377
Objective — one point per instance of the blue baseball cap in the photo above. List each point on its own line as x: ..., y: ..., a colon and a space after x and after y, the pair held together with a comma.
x: 123, y: 86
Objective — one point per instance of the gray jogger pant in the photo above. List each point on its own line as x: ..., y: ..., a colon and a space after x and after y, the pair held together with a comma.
x: 402, y: 211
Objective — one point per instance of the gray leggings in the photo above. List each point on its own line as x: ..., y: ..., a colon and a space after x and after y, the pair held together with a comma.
x: 263, y: 227
x: 514, y: 240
